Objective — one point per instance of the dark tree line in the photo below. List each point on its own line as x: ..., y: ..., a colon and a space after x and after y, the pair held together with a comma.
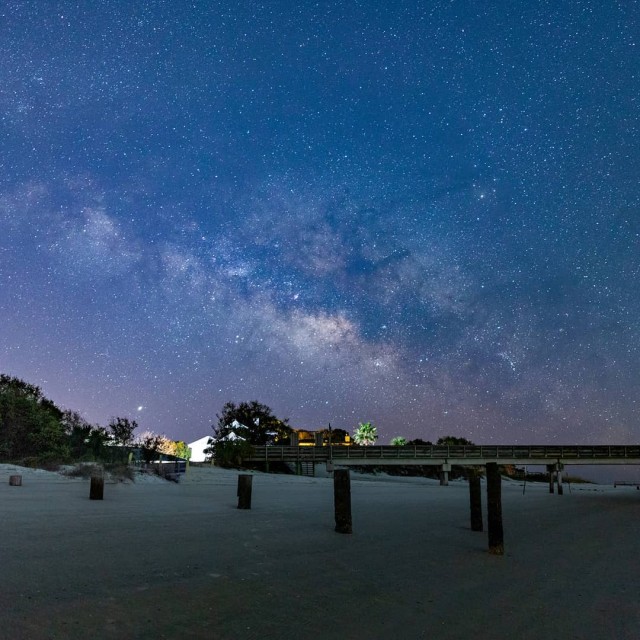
x: 444, y: 441
x: 32, y: 426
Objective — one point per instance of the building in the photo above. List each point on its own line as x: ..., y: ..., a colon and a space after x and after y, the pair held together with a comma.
x: 319, y: 437
x: 197, y: 449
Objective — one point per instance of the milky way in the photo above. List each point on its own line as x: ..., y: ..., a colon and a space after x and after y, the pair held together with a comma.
x: 422, y: 214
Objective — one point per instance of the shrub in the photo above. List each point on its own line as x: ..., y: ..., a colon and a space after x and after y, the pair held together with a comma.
x: 119, y: 472
x: 83, y: 470
x: 231, y: 453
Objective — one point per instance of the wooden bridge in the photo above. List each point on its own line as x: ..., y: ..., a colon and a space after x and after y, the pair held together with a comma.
x: 460, y: 455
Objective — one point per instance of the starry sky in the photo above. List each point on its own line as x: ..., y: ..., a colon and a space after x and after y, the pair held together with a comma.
x: 422, y: 214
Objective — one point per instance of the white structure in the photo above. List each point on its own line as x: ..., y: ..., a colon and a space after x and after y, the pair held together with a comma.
x: 197, y: 449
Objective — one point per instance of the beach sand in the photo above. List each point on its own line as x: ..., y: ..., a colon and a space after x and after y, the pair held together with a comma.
x: 157, y: 559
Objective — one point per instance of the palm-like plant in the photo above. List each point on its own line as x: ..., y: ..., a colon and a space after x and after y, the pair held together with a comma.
x: 398, y: 441
x: 365, y: 434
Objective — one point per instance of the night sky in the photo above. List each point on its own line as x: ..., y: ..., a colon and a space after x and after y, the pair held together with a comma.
x: 422, y: 214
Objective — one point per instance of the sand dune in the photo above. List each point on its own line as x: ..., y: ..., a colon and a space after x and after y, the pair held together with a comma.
x: 165, y: 560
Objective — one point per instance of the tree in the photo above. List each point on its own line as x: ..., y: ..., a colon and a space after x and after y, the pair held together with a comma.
x: 158, y: 443
x: 182, y: 450
x: 240, y: 427
x: 46, y: 439
x: 122, y: 430
x: 149, y: 443
x: 231, y: 453
x: 30, y: 424
x: 149, y: 440
x: 452, y: 441
x: 365, y: 434
x: 98, y: 438
x: 253, y: 422
x: 78, y: 431
x: 419, y: 442
x: 84, y: 439
x: 398, y: 441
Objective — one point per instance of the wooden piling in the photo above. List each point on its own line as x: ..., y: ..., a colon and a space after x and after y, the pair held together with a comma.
x: 244, y: 491
x: 551, y: 470
x: 342, y: 500
x: 475, y: 500
x: 15, y: 481
x: 494, y: 509
x: 96, y: 491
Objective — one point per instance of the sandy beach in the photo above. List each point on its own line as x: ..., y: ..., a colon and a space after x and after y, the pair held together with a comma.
x: 156, y: 559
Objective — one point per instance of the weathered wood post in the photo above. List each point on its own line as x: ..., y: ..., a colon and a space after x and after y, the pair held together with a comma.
x: 96, y: 491
x: 15, y: 481
x: 475, y: 500
x: 494, y: 509
x: 244, y: 491
x: 342, y: 500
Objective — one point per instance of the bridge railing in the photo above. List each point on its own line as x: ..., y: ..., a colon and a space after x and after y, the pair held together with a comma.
x: 467, y: 452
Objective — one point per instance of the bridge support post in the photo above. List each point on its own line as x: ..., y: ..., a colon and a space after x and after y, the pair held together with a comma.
x: 494, y: 509
x: 444, y: 475
x: 342, y: 500
x: 551, y: 471
x: 475, y: 500
x: 244, y: 491
x: 559, y: 467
